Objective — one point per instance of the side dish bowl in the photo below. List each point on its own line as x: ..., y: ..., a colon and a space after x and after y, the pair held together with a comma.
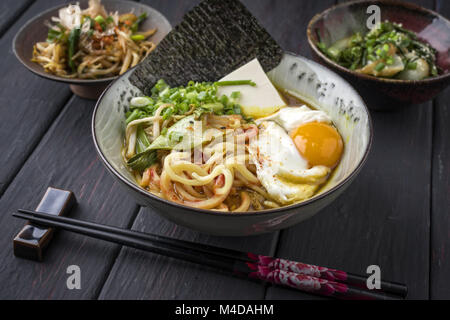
x: 345, y: 19
x: 300, y: 78
x: 35, y: 30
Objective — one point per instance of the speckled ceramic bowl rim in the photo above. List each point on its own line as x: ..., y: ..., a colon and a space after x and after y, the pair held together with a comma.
x: 407, y: 5
x: 50, y: 76
x: 239, y: 214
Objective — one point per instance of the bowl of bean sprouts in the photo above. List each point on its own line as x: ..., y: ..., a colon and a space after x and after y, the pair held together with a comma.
x: 90, y: 43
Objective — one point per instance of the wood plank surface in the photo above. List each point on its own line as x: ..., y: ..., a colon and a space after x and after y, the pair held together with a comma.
x: 440, y: 220
x: 138, y: 275
x: 383, y: 217
x: 10, y: 11
x: 172, y: 10
x: 28, y: 104
x: 395, y: 214
x: 65, y: 158
x: 141, y: 275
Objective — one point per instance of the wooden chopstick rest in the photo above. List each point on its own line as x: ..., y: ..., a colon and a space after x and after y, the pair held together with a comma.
x: 31, y: 241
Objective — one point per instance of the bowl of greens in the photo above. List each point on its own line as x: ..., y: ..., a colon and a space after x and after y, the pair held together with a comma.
x: 404, y: 59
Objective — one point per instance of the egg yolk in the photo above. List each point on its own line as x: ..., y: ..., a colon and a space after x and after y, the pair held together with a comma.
x: 319, y: 143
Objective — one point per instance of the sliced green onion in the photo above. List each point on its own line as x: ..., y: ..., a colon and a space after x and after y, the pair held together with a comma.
x: 334, y: 52
x: 137, y: 37
x: 224, y: 100
x: 167, y: 113
x: 139, y: 20
x: 380, y: 66
x: 133, y: 116
x: 236, y: 83
x: 322, y: 46
x: 235, y: 95
x: 140, y: 102
x: 411, y: 66
x: 142, y: 142
x: 143, y: 160
x: 183, y: 108
x: 214, y: 107
x: 74, y: 37
x: 175, y: 136
x: 109, y: 20
x: 201, y: 96
x: 100, y: 19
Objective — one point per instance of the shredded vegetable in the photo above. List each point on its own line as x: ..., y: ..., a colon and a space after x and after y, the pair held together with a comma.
x: 388, y: 50
x: 91, y: 43
x: 177, y: 106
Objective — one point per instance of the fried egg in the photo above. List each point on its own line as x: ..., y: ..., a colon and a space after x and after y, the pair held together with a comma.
x: 290, y: 118
x: 294, y: 152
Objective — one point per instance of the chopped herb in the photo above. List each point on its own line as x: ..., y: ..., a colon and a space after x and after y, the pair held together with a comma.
x: 73, y: 46
x: 142, y: 161
x: 384, y: 44
x: 142, y: 142
x: 380, y: 66
x: 109, y: 20
x: 411, y: 66
x: 235, y: 95
x: 137, y: 37
x: 136, y: 114
x: 100, y: 19
x: 175, y: 136
x: 139, y: 20
x: 236, y: 83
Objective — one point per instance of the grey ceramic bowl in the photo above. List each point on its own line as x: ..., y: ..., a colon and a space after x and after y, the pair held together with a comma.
x: 35, y: 30
x: 300, y: 77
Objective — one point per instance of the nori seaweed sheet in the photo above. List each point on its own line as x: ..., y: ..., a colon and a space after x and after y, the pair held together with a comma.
x: 213, y: 39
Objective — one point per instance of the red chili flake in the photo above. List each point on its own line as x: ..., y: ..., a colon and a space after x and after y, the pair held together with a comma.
x: 220, y: 181
x: 108, y: 39
x: 98, y: 27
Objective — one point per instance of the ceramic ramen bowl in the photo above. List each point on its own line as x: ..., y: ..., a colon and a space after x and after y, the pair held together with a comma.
x: 35, y: 30
x: 300, y: 78
x: 348, y: 18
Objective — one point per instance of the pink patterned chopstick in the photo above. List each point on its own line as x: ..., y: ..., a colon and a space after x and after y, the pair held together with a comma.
x: 309, y: 278
x: 323, y: 273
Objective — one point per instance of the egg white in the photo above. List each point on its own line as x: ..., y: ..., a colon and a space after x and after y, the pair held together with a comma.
x: 281, y: 169
x: 290, y: 118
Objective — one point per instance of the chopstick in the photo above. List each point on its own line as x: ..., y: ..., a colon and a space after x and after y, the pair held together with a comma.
x: 270, y: 262
x: 296, y: 275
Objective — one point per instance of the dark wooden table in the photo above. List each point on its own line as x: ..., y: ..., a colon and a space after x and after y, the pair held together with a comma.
x: 395, y: 215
